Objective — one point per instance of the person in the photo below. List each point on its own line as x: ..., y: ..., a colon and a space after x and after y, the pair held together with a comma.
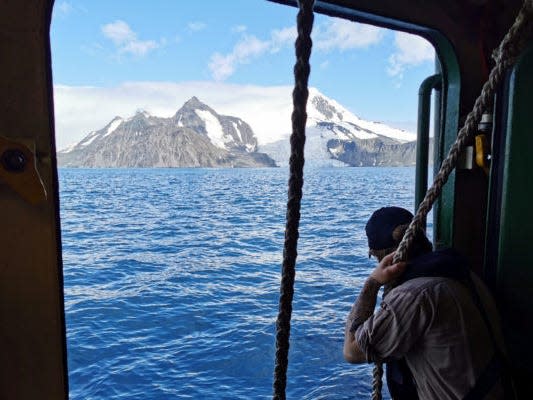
x: 440, y: 334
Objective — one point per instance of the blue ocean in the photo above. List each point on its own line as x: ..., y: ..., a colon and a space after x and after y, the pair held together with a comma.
x: 172, y: 279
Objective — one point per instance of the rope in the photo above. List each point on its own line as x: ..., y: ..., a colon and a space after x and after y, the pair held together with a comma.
x: 377, y: 382
x: 300, y: 94
x: 505, y: 56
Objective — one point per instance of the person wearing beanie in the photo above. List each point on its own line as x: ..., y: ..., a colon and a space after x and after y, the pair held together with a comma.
x: 437, y: 328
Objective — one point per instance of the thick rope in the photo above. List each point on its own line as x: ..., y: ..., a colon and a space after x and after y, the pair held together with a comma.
x: 505, y: 56
x: 300, y: 94
x: 377, y: 382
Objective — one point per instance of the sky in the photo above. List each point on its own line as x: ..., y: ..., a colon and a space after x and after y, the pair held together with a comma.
x: 116, y: 56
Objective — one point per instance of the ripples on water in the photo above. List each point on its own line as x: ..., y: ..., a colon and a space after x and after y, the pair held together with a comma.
x: 172, y: 279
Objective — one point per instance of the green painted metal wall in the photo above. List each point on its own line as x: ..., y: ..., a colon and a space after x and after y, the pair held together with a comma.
x: 513, y: 267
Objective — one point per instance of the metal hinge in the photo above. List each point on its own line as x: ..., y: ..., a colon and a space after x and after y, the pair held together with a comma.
x: 18, y: 170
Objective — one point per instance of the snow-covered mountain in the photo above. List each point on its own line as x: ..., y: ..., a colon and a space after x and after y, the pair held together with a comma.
x: 345, y: 124
x: 197, y: 136
x: 335, y: 136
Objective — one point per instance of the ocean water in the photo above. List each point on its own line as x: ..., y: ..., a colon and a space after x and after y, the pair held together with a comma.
x: 172, y: 279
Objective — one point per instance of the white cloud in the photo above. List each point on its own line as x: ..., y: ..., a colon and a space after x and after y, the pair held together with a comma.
x: 248, y: 48
x: 119, y: 32
x: 125, y: 39
x: 410, y: 51
x: 335, y: 34
x: 341, y: 34
x: 239, y: 29
x: 222, y: 66
x: 64, y: 7
x: 196, y: 26
x: 139, y: 48
x: 283, y: 37
x: 80, y: 110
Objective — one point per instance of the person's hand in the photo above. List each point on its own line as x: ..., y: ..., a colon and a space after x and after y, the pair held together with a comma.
x: 386, y: 271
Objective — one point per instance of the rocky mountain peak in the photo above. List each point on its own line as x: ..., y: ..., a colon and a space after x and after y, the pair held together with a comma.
x: 195, y: 136
x: 326, y: 109
x: 193, y: 102
x: 199, y: 136
x: 140, y: 115
x: 193, y: 114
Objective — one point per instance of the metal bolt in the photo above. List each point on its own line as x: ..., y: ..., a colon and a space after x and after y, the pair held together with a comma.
x: 13, y: 160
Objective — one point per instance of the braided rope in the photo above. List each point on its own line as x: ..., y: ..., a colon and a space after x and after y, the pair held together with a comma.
x: 300, y: 94
x: 505, y: 56
x: 377, y: 382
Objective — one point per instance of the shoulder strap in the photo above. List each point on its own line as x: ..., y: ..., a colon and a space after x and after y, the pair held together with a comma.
x: 445, y: 263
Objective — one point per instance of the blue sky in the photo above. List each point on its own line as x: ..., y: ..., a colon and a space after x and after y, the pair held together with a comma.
x: 373, y: 72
